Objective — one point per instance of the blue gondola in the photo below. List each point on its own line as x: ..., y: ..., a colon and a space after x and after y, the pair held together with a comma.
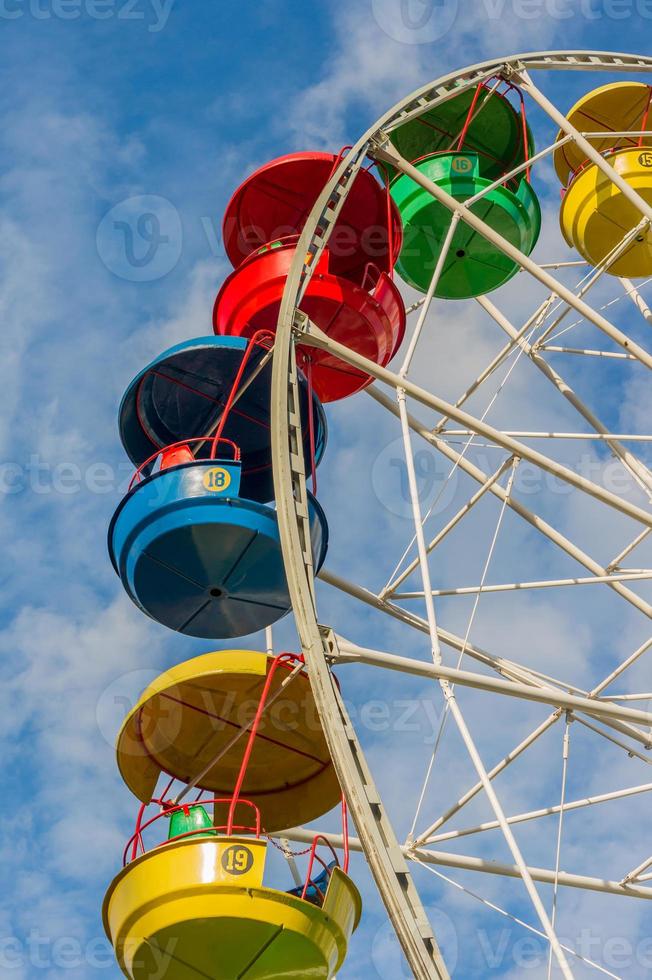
x: 182, y: 393
x: 198, y: 557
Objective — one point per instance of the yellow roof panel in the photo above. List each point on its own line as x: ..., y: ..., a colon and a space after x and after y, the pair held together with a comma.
x: 614, y: 108
x: 187, y: 720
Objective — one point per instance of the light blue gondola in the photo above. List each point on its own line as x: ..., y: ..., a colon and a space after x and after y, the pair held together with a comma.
x: 199, y: 558
x: 182, y: 394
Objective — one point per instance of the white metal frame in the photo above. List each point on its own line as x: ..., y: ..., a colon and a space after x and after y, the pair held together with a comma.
x: 608, y: 717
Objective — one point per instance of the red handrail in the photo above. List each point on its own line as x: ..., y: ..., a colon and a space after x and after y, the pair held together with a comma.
x: 282, y: 658
x: 315, y: 857
x: 260, y: 337
x: 368, y: 274
x: 184, y: 442
x: 588, y: 163
x: 339, y: 158
x: 167, y: 810
x: 469, y: 116
x: 289, y: 661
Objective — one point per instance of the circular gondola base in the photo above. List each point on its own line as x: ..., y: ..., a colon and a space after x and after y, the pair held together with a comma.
x: 214, y: 579
x: 200, y: 562
x: 595, y: 215
x: 179, y: 913
x: 474, y: 265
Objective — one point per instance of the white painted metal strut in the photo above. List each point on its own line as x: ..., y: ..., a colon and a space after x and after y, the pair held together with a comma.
x: 535, y: 520
x: 454, y: 521
x: 638, y: 470
x: 590, y: 152
x: 524, y: 586
x: 641, y: 305
x: 544, y: 812
x: 311, y: 334
x: 468, y: 863
x: 506, y: 668
x: 385, y: 151
x: 382, y: 851
x: 604, y: 710
x: 446, y: 682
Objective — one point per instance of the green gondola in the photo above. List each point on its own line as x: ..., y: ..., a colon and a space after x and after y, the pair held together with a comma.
x: 474, y: 265
x: 478, y: 120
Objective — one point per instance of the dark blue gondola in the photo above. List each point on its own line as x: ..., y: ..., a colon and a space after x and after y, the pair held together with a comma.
x: 183, y: 392
x: 198, y: 557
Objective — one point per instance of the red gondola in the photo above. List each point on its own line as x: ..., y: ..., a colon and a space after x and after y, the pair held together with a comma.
x: 368, y: 316
x: 275, y: 201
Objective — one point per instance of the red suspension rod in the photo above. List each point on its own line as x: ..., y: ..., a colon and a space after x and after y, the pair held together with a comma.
x: 282, y: 658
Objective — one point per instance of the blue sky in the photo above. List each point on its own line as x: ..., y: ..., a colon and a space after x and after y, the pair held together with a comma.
x: 104, y: 104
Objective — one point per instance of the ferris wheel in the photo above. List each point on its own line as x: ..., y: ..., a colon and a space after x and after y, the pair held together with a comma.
x: 441, y: 195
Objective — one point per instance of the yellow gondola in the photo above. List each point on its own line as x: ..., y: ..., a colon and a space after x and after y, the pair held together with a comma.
x: 199, y: 909
x: 595, y: 214
x: 197, y: 904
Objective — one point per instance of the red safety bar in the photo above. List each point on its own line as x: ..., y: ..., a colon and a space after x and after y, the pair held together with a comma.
x: 262, y: 338
x: 458, y: 142
x: 469, y: 115
x: 615, y: 149
x: 136, y: 842
x: 315, y: 857
x: 183, y: 443
x: 285, y: 659
x: 585, y: 164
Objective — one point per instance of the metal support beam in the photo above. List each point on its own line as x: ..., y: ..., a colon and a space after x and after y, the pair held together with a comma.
x: 387, y: 154
x: 454, y: 521
x: 636, y: 298
x: 545, y: 812
x: 503, y: 666
x: 590, y: 152
x: 467, y: 863
x: 604, y: 710
x: 397, y: 890
x: 537, y: 522
x: 384, y: 857
x: 639, y: 471
x: 312, y: 335
x: 525, y: 586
